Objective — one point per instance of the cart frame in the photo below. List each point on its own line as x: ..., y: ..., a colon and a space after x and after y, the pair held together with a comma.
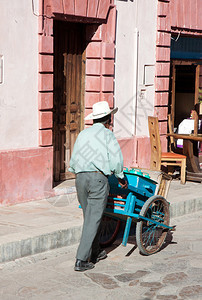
x: 139, y: 203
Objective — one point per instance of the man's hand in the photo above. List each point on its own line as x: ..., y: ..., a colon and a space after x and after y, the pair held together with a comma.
x: 123, y: 183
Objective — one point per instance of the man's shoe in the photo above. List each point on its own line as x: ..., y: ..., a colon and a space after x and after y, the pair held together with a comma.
x: 81, y: 265
x: 100, y: 256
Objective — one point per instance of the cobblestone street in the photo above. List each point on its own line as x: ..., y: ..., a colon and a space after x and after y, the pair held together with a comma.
x: 173, y: 273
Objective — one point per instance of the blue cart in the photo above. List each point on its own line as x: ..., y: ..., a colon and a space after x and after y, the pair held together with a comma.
x: 138, y: 203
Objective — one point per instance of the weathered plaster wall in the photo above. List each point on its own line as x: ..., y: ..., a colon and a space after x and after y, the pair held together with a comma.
x: 125, y: 69
x: 134, y: 82
x: 135, y: 77
x: 18, y: 92
x: 146, y: 24
x: 25, y: 168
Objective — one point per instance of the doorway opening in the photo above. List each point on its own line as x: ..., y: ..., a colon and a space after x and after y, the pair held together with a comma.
x: 184, y: 90
x: 68, y: 104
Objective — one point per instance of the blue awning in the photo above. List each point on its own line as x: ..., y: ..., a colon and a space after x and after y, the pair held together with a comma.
x: 186, y: 48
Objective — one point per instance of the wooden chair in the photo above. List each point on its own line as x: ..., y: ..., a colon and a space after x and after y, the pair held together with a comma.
x: 173, y: 145
x: 195, y: 117
x: 159, y: 158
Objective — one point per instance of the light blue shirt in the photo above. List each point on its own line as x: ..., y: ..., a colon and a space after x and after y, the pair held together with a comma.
x: 96, y: 149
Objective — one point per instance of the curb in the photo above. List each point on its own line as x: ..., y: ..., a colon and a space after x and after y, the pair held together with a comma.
x: 185, y: 207
x: 40, y: 243
x: 22, y: 247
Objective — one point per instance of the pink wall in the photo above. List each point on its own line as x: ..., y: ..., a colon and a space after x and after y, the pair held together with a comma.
x: 99, y: 54
x: 136, y: 152
x: 162, y: 69
x: 25, y: 174
x: 186, y: 14
x: 172, y: 16
x: 129, y: 151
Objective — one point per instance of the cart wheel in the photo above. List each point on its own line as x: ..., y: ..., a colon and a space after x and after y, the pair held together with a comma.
x: 150, y: 236
x: 109, y: 231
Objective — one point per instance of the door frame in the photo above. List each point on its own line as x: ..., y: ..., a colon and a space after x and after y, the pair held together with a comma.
x: 61, y: 173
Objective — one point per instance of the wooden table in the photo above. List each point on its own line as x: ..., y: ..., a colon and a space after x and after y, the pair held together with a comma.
x: 190, y: 149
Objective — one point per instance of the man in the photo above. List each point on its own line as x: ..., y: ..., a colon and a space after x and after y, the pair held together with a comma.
x: 96, y: 155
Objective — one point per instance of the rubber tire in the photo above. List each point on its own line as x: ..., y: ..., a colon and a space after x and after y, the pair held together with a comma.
x: 140, y: 224
x: 106, y: 225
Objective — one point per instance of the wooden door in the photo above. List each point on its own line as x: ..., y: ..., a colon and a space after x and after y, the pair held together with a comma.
x: 69, y: 73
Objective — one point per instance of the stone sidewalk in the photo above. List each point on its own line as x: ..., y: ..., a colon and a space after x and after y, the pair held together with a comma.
x: 174, y: 273
x: 34, y: 227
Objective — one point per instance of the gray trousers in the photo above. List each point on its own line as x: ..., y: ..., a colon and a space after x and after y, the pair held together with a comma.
x: 92, y: 191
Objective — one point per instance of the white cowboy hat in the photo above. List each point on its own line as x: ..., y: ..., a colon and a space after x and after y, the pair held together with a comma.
x: 100, y: 110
